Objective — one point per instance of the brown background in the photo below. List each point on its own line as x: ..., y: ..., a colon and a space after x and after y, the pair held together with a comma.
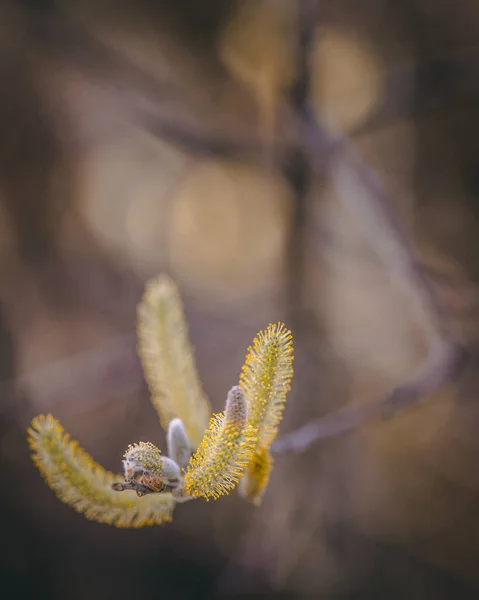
x: 140, y: 137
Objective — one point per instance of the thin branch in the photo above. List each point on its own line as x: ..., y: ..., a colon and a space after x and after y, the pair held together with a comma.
x: 371, y: 205
x: 372, y: 208
x: 439, y: 369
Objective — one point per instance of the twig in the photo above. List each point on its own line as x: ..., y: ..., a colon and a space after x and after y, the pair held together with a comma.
x: 439, y: 369
x: 371, y: 207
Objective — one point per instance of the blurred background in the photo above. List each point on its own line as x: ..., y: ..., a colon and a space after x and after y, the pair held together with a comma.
x: 149, y: 136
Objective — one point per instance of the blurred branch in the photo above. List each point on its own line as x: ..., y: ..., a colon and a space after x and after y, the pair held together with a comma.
x: 443, y: 365
x: 182, y: 115
x: 371, y: 206
x: 163, y: 104
x: 362, y: 194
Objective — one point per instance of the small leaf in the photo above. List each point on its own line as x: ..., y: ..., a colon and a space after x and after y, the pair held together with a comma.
x: 86, y: 486
x: 168, y: 361
x: 226, y: 449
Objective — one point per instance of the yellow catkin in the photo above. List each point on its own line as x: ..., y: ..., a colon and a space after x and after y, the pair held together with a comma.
x: 168, y: 361
x: 224, y: 452
x: 265, y: 380
x: 86, y: 486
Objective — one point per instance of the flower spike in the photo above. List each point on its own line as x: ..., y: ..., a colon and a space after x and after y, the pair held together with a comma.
x: 168, y: 361
x: 226, y: 449
x: 265, y: 380
x: 86, y: 486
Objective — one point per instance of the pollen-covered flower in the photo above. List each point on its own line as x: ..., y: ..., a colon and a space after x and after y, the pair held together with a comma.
x: 141, y: 457
x: 145, y: 456
x: 147, y: 471
x: 265, y: 381
x: 226, y: 449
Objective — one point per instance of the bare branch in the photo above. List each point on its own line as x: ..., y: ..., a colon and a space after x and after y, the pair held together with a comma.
x: 441, y: 366
x: 371, y: 207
